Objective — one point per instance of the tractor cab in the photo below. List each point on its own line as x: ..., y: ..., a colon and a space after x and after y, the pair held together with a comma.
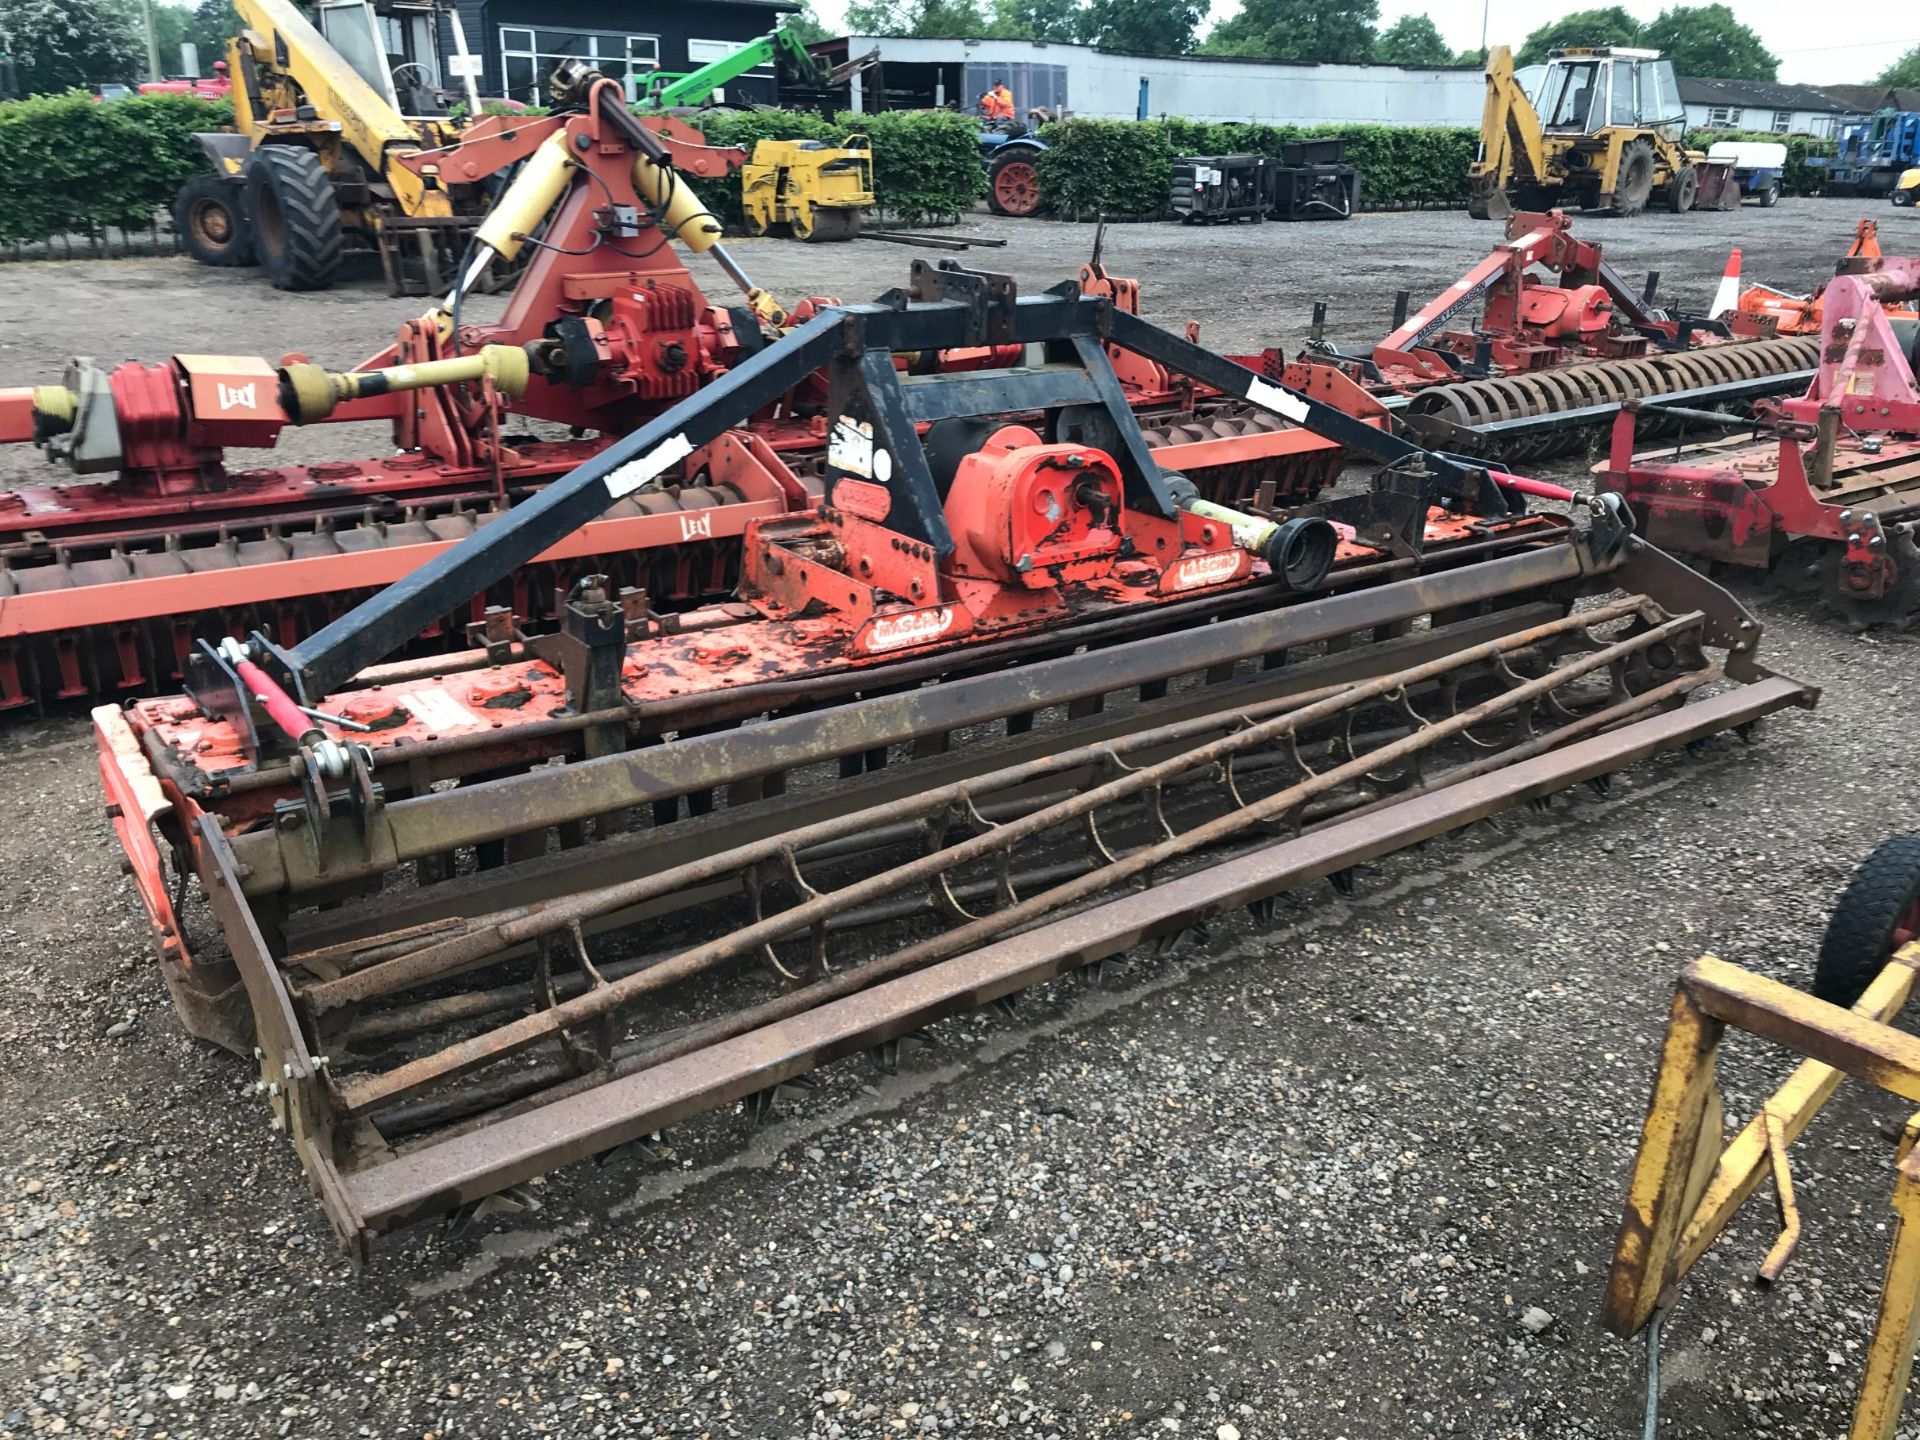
x: 1587, y: 90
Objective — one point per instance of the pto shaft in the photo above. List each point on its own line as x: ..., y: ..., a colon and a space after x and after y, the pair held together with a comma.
x: 310, y: 392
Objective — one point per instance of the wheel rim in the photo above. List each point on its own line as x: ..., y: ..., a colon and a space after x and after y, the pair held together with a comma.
x: 1907, y: 928
x: 267, y: 223
x: 1016, y: 185
x: 211, y: 223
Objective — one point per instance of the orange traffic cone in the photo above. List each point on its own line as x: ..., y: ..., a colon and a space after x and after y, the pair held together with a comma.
x: 1727, y: 297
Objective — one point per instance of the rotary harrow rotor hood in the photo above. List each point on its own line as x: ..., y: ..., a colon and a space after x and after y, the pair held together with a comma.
x: 1033, y: 515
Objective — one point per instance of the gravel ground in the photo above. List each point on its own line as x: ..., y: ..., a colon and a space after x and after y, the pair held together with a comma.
x: 1302, y: 1183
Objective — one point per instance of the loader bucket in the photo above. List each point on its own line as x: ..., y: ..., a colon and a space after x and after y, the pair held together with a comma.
x: 1719, y: 189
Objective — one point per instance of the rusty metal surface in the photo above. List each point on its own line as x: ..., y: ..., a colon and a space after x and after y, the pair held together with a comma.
x: 480, y: 1161
x: 411, y: 829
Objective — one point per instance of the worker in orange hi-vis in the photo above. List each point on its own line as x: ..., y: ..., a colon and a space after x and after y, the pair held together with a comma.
x: 997, y: 103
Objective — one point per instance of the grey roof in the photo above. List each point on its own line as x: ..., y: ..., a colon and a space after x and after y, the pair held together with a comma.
x: 1866, y: 98
x: 1759, y: 95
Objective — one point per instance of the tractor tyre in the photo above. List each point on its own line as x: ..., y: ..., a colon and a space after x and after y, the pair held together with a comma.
x: 1683, y: 190
x: 210, y: 219
x: 1903, y: 197
x: 1013, y: 185
x: 1770, y: 195
x: 296, y: 219
x: 1878, y: 912
x: 1633, y: 186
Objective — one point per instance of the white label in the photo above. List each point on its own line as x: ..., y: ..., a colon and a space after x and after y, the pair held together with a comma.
x: 464, y: 65
x: 916, y: 627
x: 635, y: 473
x: 850, y: 447
x: 1274, y: 398
x: 236, y: 397
x: 1215, y: 569
x: 438, y: 710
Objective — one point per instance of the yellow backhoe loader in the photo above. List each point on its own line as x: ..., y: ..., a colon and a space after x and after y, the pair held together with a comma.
x: 321, y: 115
x: 1601, y: 132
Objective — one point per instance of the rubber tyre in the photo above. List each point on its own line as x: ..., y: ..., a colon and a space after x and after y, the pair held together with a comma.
x: 1013, y: 186
x: 1903, y: 197
x: 210, y: 219
x: 1633, y: 186
x: 1877, y: 913
x: 1683, y: 190
x: 296, y: 220
x: 1770, y: 196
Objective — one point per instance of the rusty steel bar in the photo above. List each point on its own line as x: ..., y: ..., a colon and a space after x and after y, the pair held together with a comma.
x: 437, y: 1176
x: 555, y: 1080
x: 336, y: 934
x: 487, y: 936
x: 273, y: 861
x: 361, y: 1096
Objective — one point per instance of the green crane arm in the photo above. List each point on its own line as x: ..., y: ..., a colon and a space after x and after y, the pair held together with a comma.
x: 694, y: 88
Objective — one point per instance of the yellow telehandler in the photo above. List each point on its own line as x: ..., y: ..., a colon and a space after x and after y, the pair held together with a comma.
x: 1602, y: 131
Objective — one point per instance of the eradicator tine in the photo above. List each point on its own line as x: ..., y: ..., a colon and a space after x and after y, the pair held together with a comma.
x: 1265, y: 911
x: 1342, y: 882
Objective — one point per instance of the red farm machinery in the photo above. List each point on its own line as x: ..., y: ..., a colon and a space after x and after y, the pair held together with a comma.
x: 476, y: 916
x: 106, y: 578
x: 1825, y: 484
x: 1541, y: 342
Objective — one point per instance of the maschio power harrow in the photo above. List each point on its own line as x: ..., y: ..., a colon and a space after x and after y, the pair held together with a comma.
x: 479, y: 916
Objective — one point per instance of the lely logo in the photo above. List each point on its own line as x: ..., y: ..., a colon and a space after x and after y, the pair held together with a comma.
x: 237, y: 397
x: 696, y: 527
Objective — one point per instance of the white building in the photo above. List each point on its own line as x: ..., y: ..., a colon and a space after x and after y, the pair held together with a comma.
x: 1106, y: 84
x: 1761, y: 105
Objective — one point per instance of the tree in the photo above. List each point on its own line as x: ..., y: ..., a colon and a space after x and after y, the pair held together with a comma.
x: 1476, y: 57
x: 1061, y: 21
x: 57, y: 44
x: 806, y: 27
x: 1145, y: 27
x: 1708, y: 41
x: 1904, y: 71
x: 1611, y: 26
x: 1412, y: 40
x: 928, y: 19
x: 1326, y: 30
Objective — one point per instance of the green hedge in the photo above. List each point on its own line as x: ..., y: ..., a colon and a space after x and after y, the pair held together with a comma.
x: 1799, y: 178
x: 1124, y: 167
x: 926, y: 163
x: 73, y: 165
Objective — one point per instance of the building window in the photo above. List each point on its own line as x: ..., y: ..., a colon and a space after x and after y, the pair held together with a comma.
x: 527, y: 58
x: 1722, y: 116
x: 1782, y: 121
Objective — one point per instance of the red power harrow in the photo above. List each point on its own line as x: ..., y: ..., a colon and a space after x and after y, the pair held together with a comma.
x: 1838, y: 466
x: 1547, y: 360
x: 477, y: 916
x: 105, y: 580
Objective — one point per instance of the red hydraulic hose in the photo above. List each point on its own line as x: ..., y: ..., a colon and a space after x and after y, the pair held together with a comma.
x: 1539, y: 489
x: 278, y: 704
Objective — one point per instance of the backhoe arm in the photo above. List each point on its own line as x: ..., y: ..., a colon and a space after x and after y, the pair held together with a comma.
x: 1511, y: 140
x: 279, y: 47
